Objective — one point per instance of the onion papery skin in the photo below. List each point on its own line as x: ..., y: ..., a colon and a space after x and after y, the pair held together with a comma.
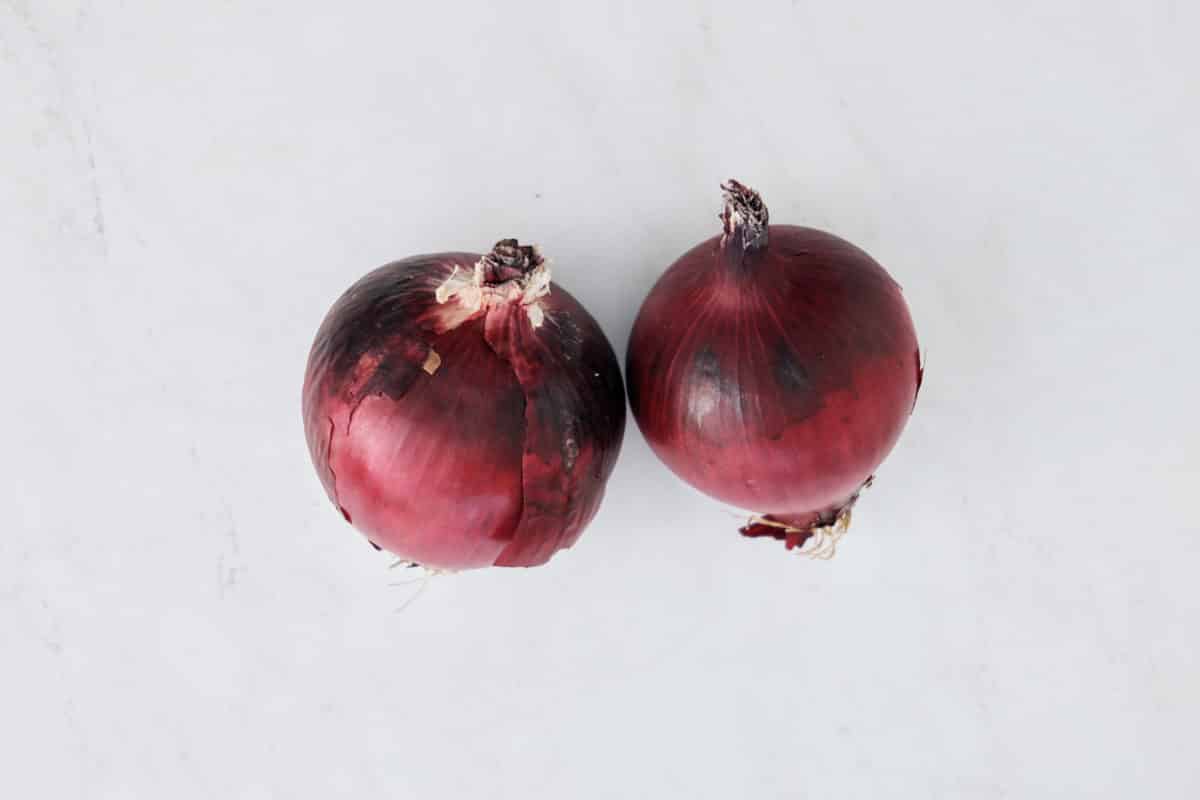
x: 460, y: 437
x: 773, y: 367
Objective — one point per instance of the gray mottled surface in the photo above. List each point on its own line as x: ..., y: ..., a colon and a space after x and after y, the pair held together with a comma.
x: 185, y: 187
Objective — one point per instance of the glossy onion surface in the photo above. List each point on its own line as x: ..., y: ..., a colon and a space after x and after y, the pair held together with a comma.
x: 462, y: 411
x: 773, y: 367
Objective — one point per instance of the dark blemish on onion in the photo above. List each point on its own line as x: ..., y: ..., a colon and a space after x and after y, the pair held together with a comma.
x: 788, y: 371
x: 377, y: 547
x: 346, y: 516
x: 712, y: 393
x: 706, y: 371
x: 381, y: 304
x: 394, y: 376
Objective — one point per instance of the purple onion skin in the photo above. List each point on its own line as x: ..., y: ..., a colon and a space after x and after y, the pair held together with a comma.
x: 498, y: 453
x: 773, y: 368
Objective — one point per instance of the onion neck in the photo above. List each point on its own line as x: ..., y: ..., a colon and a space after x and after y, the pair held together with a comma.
x: 744, y: 217
x: 509, y: 260
x: 510, y: 273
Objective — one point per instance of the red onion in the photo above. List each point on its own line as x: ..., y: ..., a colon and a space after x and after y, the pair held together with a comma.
x: 773, y: 368
x: 462, y: 411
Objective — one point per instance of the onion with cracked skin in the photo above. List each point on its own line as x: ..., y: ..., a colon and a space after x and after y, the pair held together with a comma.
x: 462, y: 411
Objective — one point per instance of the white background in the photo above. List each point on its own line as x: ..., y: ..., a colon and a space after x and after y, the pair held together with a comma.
x: 186, y: 187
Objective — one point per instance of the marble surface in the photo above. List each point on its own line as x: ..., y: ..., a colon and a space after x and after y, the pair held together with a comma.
x: 184, y: 189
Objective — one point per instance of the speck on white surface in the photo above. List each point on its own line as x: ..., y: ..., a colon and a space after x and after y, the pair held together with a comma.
x: 184, y: 189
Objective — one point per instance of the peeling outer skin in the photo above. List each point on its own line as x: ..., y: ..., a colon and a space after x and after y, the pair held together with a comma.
x: 564, y: 365
x: 346, y: 359
x: 537, y: 415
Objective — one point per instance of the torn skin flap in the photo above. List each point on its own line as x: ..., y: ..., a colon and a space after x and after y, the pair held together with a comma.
x: 574, y: 418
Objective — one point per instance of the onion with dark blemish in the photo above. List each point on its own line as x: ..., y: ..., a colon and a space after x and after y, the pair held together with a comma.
x: 462, y: 411
x: 773, y: 367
